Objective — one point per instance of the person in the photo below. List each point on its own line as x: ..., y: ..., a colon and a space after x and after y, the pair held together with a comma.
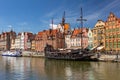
x: 98, y: 55
x: 117, y: 56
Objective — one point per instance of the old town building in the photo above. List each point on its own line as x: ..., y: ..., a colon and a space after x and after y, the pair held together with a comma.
x: 68, y: 40
x: 79, y: 38
x: 33, y: 42
x: 90, y: 39
x: 51, y: 37
x: 22, y: 41
x: 112, y: 26
x: 99, y: 34
x: 6, y: 38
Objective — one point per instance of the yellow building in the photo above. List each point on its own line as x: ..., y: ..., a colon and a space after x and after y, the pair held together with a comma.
x: 99, y: 34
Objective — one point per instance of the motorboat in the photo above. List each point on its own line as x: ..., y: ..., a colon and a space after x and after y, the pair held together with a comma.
x: 12, y: 53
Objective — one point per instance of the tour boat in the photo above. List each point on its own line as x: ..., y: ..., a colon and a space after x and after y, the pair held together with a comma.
x: 12, y: 53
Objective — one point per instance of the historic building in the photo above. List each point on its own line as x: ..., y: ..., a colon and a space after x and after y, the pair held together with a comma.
x: 99, y: 34
x: 22, y: 41
x: 79, y: 38
x: 112, y: 26
x: 68, y: 40
x: 90, y: 39
x: 33, y: 43
x: 6, y: 39
x: 51, y: 37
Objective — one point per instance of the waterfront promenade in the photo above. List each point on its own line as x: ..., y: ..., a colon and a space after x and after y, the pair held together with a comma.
x: 100, y: 57
x: 30, y: 54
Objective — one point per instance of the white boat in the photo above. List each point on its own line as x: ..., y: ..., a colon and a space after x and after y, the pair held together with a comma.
x: 12, y: 53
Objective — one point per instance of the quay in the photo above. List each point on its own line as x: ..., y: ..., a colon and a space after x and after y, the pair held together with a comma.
x: 107, y: 57
x: 99, y: 57
x: 30, y: 54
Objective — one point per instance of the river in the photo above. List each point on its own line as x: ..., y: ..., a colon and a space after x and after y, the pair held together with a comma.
x: 25, y: 68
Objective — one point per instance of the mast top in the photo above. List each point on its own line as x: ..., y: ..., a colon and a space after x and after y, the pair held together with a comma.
x: 63, y: 19
x: 81, y: 19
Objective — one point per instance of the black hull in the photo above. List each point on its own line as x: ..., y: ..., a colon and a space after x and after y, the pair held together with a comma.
x: 71, y: 54
x: 81, y: 57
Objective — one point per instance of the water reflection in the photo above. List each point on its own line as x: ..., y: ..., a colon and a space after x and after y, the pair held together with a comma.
x: 106, y: 70
x: 25, y: 68
x: 67, y: 70
x: 21, y: 68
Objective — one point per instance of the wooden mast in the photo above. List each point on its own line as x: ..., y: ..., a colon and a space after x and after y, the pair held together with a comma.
x: 81, y: 19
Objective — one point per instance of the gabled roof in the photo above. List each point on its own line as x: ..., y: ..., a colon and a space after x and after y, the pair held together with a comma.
x: 78, y: 32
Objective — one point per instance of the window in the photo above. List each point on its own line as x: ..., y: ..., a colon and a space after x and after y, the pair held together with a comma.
x: 107, y: 44
x: 110, y: 44
x: 118, y: 35
x: 89, y: 34
x: 118, y: 44
x: 94, y: 32
x: 94, y: 38
x: 115, y: 45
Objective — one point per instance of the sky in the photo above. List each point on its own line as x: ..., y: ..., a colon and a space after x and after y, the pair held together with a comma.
x: 36, y: 15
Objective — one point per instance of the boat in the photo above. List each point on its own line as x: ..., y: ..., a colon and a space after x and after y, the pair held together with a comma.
x: 69, y: 54
x: 12, y: 53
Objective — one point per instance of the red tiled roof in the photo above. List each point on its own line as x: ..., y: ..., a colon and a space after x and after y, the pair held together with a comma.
x: 77, y: 32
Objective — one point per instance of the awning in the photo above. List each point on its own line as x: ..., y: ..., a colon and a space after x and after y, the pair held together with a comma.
x: 101, y: 47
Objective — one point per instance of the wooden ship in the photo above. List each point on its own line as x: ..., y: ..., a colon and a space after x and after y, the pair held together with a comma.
x: 68, y: 54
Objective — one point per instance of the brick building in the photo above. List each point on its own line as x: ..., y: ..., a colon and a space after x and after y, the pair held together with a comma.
x: 6, y: 38
x: 51, y: 37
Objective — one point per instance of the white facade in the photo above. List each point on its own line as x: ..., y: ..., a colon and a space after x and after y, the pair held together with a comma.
x: 19, y: 41
x: 90, y: 38
x: 22, y: 40
x: 75, y: 42
x: 67, y: 41
x: 60, y: 27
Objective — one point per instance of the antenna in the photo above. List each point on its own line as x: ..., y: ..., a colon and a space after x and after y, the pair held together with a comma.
x: 81, y: 22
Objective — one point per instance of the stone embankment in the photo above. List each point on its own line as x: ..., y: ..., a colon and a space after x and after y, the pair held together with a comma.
x: 32, y: 54
x: 108, y: 57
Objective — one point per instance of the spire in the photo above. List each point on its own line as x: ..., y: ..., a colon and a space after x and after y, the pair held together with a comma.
x: 63, y: 19
x: 52, y: 23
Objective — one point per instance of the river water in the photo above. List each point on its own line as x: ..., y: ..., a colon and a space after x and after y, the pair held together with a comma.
x: 25, y: 68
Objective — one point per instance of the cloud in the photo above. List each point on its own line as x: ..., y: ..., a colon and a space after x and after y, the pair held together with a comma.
x: 10, y: 26
x: 114, y: 4
x: 53, y: 26
x: 23, y: 23
x: 99, y: 13
x: 54, y: 12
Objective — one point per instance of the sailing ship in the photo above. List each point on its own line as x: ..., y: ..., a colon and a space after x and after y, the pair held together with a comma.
x: 68, y: 54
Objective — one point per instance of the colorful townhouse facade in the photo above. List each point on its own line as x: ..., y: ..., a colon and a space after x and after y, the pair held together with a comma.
x: 6, y: 38
x: 107, y: 33
x: 51, y: 37
x: 22, y: 41
x: 112, y: 29
x: 90, y: 39
x: 99, y: 34
x: 79, y: 38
